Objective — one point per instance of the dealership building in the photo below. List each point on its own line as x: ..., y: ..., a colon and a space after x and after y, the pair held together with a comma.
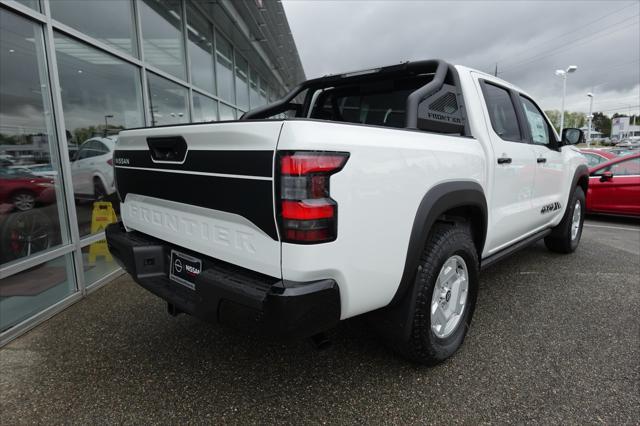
x: 73, y: 74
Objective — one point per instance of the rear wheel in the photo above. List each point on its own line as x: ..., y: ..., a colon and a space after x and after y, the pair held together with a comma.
x: 566, y: 236
x: 446, y: 286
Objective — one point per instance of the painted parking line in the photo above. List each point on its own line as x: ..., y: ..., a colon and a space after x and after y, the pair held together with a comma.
x: 612, y: 227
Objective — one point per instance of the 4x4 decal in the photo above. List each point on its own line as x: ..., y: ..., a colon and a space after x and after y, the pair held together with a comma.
x: 550, y: 207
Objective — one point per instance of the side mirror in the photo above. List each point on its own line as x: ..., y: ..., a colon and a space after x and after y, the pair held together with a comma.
x: 572, y: 136
x: 608, y: 175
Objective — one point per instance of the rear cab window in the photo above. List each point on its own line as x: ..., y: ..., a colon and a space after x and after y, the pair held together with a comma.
x: 502, y: 112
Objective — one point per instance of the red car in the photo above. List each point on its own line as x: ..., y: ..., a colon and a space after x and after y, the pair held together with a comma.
x: 614, y: 187
x: 23, y: 190
x: 597, y: 156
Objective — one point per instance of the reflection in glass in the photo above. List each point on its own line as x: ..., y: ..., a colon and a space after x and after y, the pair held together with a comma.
x: 110, y: 21
x: 97, y: 261
x: 200, y: 46
x: 255, y: 94
x: 226, y: 112
x: 168, y: 101
x: 101, y: 95
x: 224, y: 69
x: 242, y: 82
x: 204, y: 108
x: 33, y: 4
x: 31, y: 200
x: 263, y: 91
x: 25, y: 294
x: 161, y: 22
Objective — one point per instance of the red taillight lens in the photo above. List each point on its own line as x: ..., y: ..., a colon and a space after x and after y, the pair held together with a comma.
x: 301, y: 210
x: 307, y: 213
x: 110, y: 162
x: 303, y: 163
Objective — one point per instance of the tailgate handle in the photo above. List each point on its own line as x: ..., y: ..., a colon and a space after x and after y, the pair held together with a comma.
x: 167, y: 148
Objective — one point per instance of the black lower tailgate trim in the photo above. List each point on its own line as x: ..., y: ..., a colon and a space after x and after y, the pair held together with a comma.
x: 249, y: 198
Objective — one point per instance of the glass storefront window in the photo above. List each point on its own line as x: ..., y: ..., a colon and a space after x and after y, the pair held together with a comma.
x: 200, y: 46
x: 31, y: 195
x: 255, y: 94
x: 161, y: 22
x: 101, y: 95
x: 168, y: 101
x: 224, y: 69
x: 25, y: 294
x: 33, y: 4
x: 97, y: 261
x: 263, y: 91
x: 227, y: 113
x: 114, y: 26
x: 242, y: 82
x: 204, y: 108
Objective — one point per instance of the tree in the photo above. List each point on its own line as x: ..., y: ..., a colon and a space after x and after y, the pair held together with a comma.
x: 571, y: 119
x: 554, y: 117
x: 602, y: 123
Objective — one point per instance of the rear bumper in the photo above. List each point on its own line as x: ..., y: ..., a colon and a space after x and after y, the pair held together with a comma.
x: 226, y: 293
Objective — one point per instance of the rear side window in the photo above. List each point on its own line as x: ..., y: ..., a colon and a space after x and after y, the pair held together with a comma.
x: 502, y: 113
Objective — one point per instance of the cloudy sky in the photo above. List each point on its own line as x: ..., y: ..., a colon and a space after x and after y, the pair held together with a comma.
x: 528, y: 40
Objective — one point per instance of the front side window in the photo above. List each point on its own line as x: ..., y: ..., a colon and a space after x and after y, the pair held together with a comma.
x: 538, y: 126
x: 502, y: 113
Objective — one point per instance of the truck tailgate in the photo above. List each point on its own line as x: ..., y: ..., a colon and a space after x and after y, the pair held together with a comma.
x: 206, y: 187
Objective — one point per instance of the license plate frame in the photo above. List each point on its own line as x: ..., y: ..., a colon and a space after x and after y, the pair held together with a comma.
x: 184, y: 269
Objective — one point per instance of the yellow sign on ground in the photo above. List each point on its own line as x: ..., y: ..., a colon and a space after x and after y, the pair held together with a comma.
x: 101, y: 216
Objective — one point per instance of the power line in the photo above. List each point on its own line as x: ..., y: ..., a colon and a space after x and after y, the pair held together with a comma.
x: 574, y: 42
x: 620, y: 108
x: 579, y: 28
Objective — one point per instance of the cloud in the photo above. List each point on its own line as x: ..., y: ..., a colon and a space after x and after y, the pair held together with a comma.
x: 528, y: 40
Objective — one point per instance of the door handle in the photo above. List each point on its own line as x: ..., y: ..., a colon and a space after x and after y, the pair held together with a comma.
x: 541, y: 160
x: 504, y: 160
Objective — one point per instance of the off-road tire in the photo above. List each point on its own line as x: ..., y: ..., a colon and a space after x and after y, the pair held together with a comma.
x: 423, y: 346
x: 560, y: 240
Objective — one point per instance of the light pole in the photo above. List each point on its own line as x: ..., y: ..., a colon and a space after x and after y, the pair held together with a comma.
x: 563, y: 74
x: 106, y: 123
x: 590, y: 96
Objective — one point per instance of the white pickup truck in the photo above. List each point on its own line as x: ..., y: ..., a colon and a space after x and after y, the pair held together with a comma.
x: 379, y: 192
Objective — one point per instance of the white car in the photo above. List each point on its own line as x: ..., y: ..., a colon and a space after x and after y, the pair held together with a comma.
x: 385, y: 195
x: 92, y: 169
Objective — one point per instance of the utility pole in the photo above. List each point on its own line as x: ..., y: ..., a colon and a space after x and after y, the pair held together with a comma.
x: 495, y: 71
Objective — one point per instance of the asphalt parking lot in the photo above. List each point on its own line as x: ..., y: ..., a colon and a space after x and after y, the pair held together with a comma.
x: 555, y: 339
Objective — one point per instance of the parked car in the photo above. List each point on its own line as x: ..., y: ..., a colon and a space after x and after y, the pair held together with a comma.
x: 92, y: 169
x: 597, y: 156
x: 24, y: 190
x: 385, y: 195
x: 621, y: 152
x: 42, y: 170
x: 614, y: 187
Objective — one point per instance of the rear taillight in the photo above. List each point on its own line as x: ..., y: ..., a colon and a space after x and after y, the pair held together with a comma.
x: 110, y: 162
x: 306, y: 211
